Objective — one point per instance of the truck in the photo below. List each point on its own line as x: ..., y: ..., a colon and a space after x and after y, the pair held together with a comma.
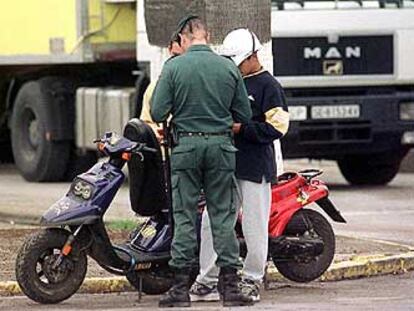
x: 347, y: 68
x: 73, y: 69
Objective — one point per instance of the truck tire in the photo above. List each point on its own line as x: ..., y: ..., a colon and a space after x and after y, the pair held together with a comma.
x: 79, y: 163
x: 38, y: 157
x: 378, y: 169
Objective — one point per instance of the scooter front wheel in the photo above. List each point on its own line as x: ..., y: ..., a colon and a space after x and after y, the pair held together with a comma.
x: 308, y: 269
x: 37, y: 273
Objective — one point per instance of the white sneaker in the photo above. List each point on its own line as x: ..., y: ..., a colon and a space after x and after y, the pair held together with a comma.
x: 201, y: 292
x: 250, y: 288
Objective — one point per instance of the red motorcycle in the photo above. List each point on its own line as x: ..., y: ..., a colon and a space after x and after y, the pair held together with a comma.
x: 301, y: 240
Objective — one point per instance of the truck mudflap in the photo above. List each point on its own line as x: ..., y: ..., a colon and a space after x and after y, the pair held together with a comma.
x: 330, y: 209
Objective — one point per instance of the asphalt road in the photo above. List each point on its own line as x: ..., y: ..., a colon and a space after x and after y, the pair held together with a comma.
x: 377, y: 293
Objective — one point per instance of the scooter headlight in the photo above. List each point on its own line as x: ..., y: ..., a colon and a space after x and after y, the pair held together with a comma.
x: 82, y: 189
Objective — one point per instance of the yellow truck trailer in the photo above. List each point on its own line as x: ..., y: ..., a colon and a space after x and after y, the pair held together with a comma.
x: 66, y: 31
x: 50, y: 50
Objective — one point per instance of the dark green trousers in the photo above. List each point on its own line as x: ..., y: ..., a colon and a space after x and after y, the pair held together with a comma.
x: 206, y: 162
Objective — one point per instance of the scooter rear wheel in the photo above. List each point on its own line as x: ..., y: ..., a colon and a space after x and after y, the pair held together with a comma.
x: 35, y: 271
x: 300, y: 270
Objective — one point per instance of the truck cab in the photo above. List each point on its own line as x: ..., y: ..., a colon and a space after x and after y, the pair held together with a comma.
x: 348, y: 73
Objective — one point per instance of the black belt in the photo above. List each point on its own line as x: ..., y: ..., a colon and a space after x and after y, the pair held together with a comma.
x: 203, y: 134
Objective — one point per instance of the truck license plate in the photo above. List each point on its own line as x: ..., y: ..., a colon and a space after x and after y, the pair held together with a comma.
x: 297, y: 113
x: 335, y: 112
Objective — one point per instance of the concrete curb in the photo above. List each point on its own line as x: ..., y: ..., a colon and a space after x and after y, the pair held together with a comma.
x: 358, y: 267
x: 89, y: 286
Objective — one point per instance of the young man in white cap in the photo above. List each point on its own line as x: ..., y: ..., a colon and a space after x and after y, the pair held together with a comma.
x: 255, y: 168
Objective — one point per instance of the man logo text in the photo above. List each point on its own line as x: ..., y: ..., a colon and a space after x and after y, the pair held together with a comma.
x: 332, y: 52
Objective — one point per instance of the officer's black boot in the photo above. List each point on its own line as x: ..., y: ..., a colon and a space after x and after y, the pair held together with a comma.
x: 178, y: 295
x: 229, y: 289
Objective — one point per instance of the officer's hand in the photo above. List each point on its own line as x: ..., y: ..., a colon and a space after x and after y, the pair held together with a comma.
x: 236, y: 128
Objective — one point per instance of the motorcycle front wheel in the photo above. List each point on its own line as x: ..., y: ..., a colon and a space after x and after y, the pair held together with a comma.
x: 37, y: 274
x: 308, y: 269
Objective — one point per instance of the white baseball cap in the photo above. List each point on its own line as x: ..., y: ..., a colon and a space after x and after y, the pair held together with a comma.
x: 239, y: 44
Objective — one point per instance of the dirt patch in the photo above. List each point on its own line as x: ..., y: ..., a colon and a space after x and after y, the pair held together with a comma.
x: 12, y: 239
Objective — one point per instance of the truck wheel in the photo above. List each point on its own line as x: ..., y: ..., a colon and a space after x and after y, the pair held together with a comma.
x: 301, y: 270
x: 37, y: 156
x: 80, y: 163
x: 370, y: 169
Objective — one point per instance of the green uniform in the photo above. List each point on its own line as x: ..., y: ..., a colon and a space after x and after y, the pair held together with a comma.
x: 205, y: 94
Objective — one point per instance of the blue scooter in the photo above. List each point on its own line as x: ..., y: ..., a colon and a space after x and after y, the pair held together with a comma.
x: 51, y: 265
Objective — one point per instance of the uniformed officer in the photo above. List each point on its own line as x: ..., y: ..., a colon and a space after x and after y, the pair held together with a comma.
x: 205, y: 94
x: 255, y: 168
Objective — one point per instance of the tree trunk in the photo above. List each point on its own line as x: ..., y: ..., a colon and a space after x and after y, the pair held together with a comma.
x: 162, y: 16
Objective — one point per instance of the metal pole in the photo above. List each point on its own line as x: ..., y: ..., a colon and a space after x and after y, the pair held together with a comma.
x: 167, y: 172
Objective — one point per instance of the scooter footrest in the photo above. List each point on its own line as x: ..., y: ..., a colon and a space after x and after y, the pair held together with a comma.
x: 143, y: 257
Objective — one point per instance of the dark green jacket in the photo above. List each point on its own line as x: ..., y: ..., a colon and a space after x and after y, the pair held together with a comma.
x: 203, y: 91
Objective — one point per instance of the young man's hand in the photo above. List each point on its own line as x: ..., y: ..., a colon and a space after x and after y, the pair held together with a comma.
x: 160, y: 135
x: 236, y: 128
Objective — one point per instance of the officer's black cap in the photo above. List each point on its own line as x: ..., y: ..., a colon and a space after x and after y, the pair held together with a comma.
x: 181, y: 24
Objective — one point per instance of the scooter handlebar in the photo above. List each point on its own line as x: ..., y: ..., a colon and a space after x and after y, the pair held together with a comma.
x: 153, y: 150
x: 143, y: 147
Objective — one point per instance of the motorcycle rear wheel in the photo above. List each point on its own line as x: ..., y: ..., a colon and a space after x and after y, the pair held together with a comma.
x: 35, y: 273
x: 297, y: 270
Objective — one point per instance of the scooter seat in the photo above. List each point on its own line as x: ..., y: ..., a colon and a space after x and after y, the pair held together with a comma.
x: 146, y: 178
